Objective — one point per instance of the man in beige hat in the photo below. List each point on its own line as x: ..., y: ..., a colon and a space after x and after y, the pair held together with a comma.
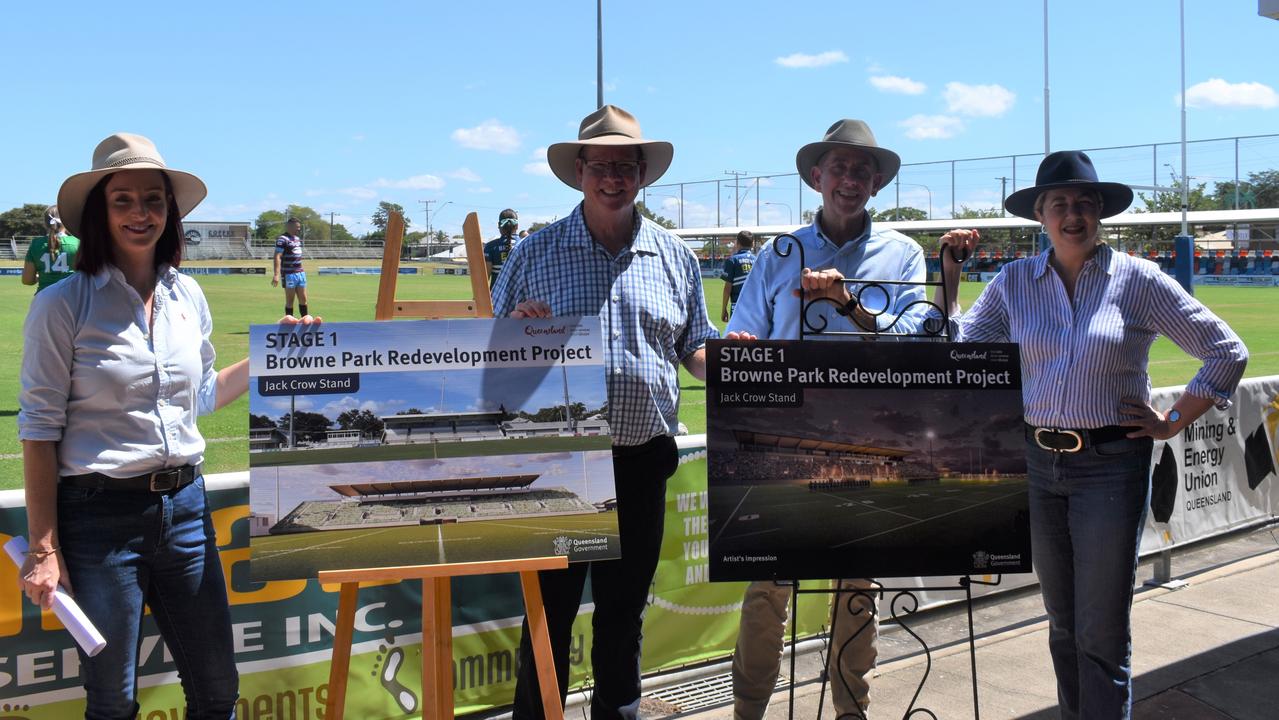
x: 848, y: 168
x: 606, y: 259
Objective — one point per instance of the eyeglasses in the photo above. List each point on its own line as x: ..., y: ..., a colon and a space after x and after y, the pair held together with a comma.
x: 861, y: 173
x: 623, y: 169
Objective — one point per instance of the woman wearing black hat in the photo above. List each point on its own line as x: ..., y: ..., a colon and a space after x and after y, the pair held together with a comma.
x: 1085, y: 317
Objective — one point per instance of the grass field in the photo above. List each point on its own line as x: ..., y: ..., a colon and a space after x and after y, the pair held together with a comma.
x: 238, y: 300
x: 865, y: 527
x: 298, y: 555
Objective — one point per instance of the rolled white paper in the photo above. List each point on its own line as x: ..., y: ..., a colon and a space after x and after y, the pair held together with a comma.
x: 64, y: 606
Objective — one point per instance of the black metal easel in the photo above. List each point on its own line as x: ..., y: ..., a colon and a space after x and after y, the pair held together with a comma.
x: 904, y: 603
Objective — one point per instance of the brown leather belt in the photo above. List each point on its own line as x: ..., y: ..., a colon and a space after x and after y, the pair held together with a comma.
x: 158, y: 481
x: 1071, y: 441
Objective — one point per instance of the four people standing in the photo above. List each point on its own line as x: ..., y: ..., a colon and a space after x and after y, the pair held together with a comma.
x: 112, y: 385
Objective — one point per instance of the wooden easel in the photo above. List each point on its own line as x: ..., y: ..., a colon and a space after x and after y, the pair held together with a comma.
x: 437, y: 595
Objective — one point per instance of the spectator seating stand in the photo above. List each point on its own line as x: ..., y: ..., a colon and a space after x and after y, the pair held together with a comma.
x: 437, y: 595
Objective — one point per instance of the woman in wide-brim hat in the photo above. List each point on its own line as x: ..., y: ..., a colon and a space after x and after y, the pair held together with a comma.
x: 116, y: 366
x: 1085, y: 316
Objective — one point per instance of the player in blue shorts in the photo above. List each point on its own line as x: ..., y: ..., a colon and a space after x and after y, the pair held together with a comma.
x: 288, y: 261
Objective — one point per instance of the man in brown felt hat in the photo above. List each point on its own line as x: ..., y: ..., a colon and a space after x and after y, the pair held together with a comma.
x: 848, y: 168
x: 606, y: 259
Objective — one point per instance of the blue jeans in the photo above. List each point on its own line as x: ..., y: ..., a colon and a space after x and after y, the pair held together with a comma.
x: 1086, y: 514
x: 619, y: 589
x: 126, y: 548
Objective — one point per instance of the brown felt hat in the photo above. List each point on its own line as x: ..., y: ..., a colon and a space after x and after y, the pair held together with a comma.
x: 610, y: 125
x: 853, y: 134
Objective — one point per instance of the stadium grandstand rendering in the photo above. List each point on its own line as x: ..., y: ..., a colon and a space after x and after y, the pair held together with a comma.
x: 432, y: 502
x: 821, y: 464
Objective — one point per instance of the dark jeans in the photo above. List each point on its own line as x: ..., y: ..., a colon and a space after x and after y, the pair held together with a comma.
x: 619, y: 588
x: 126, y: 548
x: 1086, y: 514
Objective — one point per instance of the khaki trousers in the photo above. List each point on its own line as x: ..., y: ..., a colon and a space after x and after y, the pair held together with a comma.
x: 760, y: 642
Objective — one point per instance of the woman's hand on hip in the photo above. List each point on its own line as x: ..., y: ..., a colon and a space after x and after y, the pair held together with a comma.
x: 1145, y: 420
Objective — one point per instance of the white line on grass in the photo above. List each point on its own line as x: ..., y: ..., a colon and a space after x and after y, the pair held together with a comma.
x: 903, y: 527
x: 272, y: 554
x: 732, y: 514
x: 439, y: 531
x: 871, y: 507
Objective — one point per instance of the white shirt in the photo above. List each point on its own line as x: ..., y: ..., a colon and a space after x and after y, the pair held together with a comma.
x: 119, y: 400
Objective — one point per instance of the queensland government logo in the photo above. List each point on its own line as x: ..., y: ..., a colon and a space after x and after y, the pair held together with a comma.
x: 562, y: 544
x: 981, y: 560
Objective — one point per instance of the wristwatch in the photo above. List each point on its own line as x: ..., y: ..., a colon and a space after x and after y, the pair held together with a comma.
x: 1173, y: 416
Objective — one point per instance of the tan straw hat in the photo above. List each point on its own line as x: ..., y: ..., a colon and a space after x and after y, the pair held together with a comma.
x: 848, y: 133
x: 609, y: 125
x: 125, y: 151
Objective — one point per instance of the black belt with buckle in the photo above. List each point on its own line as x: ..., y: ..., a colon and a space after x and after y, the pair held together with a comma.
x: 158, y: 481
x: 1070, y: 441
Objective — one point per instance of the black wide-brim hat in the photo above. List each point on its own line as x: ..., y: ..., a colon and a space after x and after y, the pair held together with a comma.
x: 1069, y: 169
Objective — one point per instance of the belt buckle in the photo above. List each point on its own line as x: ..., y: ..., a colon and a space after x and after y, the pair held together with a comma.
x: 165, y: 480
x: 1079, y: 440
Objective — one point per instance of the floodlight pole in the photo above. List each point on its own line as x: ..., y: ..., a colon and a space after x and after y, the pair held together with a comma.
x: 599, y: 53
x: 1184, y: 244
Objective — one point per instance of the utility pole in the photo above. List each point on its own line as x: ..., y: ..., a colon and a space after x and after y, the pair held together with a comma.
x: 737, y: 199
x: 331, y: 214
x: 1003, y: 195
x: 427, y: 203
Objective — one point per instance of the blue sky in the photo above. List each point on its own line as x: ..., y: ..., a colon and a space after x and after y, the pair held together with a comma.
x: 338, y: 105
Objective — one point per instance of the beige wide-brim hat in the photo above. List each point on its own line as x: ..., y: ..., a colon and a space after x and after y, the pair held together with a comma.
x: 125, y: 151
x: 610, y: 125
x: 848, y: 133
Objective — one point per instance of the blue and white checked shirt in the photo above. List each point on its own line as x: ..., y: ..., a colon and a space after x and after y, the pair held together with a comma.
x: 118, y: 398
x: 649, y: 301
x: 768, y: 309
x: 1079, y: 361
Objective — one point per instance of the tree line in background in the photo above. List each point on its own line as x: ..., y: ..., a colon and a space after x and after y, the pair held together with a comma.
x: 1260, y: 190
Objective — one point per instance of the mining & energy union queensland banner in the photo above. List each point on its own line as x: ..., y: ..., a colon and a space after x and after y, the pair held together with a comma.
x: 858, y: 459
x: 383, y: 444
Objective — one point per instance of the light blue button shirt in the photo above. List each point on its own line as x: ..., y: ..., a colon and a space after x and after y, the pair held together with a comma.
x: 119, y: 399
x: 767, y: 307
x: 649, y: 301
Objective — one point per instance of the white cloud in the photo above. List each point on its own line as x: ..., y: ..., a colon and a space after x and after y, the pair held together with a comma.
x: 804, y: 60
x: 1216, y: 92
x: 932, y: 127
x: 898, y: 85
x: 538, y: 166
x: 358, y: 137
x: 358, y: 192
x: 416, y: 182
x: 488, y: 135
x: 466, y: 174
x: 978, y: 100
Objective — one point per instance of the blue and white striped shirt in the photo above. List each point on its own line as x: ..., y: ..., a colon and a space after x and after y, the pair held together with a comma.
x: 1079, y: 361
x: 649, y: 301
x: 767, y: 307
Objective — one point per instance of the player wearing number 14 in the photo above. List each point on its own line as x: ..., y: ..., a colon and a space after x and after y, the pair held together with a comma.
x: 52, y: 257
